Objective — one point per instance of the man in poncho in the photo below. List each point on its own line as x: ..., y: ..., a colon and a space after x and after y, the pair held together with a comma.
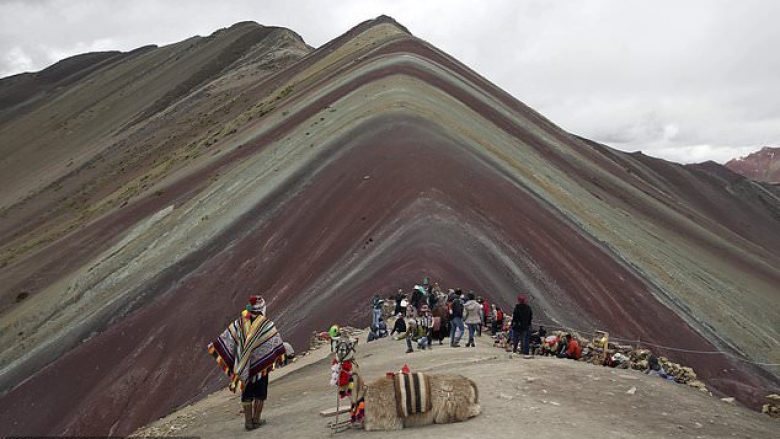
x: 246, y: 352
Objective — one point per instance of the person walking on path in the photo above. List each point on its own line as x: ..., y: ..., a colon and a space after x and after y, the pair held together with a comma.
x: 376, y: 310
x: 456, y: 320
x: 247, y: 351
x: 521, y: 324
x: 471, y: 316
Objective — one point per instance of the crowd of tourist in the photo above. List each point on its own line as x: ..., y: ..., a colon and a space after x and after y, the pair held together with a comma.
x: 427, y: 316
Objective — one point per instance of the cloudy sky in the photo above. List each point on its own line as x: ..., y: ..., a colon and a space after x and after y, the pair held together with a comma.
x: 684, y: 80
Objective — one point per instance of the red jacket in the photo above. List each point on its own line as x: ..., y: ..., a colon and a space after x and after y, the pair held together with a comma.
x: 574, y: 350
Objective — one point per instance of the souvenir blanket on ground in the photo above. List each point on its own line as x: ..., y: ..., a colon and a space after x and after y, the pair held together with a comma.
x: 412, y: 393
x: 247, y: 348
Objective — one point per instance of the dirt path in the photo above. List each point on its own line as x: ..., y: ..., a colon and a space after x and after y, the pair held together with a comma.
x: 539, y: 398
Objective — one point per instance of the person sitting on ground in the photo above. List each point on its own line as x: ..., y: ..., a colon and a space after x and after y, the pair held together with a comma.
x: 573, y: 349
x: 655, y: 368
x: 563, y: 344
x: 289, y: 354
x: 378, y: 331
x: 536, y: 340
x: 471, y: 317
x: 419, y: 330
x: 400, y: 325
x: 425, y: 328
x: 550, y: 345
x: 498, y: 320
x: 247, y: 351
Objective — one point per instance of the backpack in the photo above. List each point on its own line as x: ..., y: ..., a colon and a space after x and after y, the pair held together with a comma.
x: 499, y: 315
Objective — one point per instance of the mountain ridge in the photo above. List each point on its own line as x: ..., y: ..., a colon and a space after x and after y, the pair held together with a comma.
x: 599, y: 238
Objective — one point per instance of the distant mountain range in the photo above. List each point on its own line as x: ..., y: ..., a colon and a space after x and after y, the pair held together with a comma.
x: 762, y: 165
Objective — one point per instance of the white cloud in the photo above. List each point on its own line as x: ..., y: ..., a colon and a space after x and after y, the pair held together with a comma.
x: 701, y: 153
x: 16, y: 60
x: 670, y: 78
x: 54, y: 54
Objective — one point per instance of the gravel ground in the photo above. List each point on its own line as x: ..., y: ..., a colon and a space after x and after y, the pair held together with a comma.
x: 538, y: 397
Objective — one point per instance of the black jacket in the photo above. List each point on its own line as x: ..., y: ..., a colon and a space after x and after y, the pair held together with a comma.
x: 400, y: 326
x: 522, y: 316
x: 457, y: 308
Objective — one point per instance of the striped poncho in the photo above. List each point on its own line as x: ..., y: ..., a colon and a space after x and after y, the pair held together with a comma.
x: 247, y: 348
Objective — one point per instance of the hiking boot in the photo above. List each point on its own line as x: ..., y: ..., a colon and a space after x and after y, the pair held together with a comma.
x: 409, y: 351
x: 455, y: 345
x: 259, y: 423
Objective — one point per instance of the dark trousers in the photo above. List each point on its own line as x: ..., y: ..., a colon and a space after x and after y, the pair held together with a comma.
x: 521, y: 334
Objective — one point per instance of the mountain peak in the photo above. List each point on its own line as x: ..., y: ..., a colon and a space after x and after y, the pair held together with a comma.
x: 761, y: 165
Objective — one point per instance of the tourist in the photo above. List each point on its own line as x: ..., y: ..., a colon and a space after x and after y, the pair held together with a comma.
x: 425, y: 327
x: 498, y: 320
x: 441, y: 328
x: 377, y: 332
x: 456, y: 319
x: 400, y: 325
x: 573, y: 350
x: 289, y: 354
x: 537, y: 337
x: 376, y: 310
x: 487, y: 314
x: 521, y: 324
x: 471, y: 317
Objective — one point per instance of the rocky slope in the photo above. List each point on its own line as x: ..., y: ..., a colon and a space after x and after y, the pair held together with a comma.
x: 762, y: 165
x: 145, y: 198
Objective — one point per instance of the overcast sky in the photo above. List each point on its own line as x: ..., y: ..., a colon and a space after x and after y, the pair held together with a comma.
x: 683, y: 80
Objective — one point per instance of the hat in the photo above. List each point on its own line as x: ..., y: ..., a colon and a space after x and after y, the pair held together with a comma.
x: 522, y: 298
x: 257, y: 304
